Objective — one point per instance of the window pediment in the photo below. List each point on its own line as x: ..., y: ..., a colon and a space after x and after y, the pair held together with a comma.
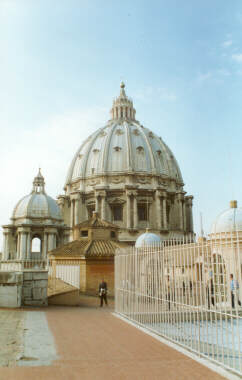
x: 140, y: 149
x: 117, y: 148
x: 116, y: 201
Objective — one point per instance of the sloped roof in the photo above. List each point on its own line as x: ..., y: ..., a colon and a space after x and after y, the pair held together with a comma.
x: 88, y: 248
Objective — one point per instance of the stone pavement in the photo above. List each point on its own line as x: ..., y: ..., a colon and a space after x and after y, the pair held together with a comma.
x: 93, y: 344
x: 11, y: 331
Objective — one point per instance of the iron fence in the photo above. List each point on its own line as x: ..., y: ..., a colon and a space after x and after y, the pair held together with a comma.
x: 189, y: 293
x: 62, y: 276
x: 20, y: 265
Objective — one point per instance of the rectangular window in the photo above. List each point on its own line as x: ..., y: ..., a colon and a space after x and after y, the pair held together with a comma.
x: 117, y: 212
x: 84, y: 233
x: 143, y: 212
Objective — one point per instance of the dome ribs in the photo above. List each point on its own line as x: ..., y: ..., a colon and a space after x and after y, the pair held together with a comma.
x: 106, y: 149
x: 151, y: 155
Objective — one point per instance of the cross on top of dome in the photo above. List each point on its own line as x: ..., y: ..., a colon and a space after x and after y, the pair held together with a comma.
x: 122, y: 106
x: 39, y: 183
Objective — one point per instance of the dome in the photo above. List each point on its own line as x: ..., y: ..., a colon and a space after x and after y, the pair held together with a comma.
x: 147, y: 239
x: 37, y: 204
x: 132, y: 147
x: 229, y: 220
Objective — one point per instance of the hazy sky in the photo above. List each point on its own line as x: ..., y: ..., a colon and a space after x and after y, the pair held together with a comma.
x: 61, y: 63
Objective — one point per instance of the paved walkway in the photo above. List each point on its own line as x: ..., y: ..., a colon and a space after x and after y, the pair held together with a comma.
x: 93, y: 344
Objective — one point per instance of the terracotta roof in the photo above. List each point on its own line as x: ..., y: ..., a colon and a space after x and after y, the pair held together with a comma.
x: 74, y: 248
x: 101, y: 248
x: 88, y: 248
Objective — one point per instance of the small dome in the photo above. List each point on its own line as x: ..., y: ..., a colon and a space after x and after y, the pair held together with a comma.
x: 37, y: 204
x: 147, y: 239
x: 229, y: 220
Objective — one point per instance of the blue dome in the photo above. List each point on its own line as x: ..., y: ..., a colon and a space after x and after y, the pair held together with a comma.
x: 147, y: 239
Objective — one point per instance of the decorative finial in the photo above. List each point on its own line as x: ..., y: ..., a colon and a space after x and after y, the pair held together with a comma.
x: 39, y: 183
x: 233, y: 204
x: 39, y: 174
x: 122, y: 108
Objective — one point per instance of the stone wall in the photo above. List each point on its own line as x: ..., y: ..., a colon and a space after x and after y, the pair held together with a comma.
x: 27, y: 288
x: 34, y: 291
x: 11, y: 289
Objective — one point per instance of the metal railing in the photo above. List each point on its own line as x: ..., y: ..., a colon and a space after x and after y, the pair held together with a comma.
x: 20, y: 265
x: 63, y: 275
x: 185, y: 293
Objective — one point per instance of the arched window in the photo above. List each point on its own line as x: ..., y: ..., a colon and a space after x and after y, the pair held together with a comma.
x: 36, y: 245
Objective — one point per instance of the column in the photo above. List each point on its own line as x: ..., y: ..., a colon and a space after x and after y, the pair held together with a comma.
x: 191, y: 219
x: 54, y: 241
x: 128, y: 223
x: 28, y: 246
x: 158, y: 209
x: 6, y: 247
x: 76, y: 211
x: 103, y: 207
x: 184, y: 216
x: 135, y: 212
x: 81, y: 209
x: 18, y: 245
x: 97, y: 203
x: 72, y: 213
x: 164, y: 213
x: 180, y: 213
x: 45, y: 246
x: 119, y: 112
x: 23, y: 246
x: 190, y: 214
x: 50, y: 242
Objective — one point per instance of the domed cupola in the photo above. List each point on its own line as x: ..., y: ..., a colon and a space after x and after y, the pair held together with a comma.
x: 123, y: 145
x: 148, y: 239
x: 129, y: 176
x: 37, y: 206
x: 36, y: 219
x: 229, y: 220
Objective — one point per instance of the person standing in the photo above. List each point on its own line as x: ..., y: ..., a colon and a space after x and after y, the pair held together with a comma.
x: 234, y: 287
x: 210, y: 293
x: 103, y: 290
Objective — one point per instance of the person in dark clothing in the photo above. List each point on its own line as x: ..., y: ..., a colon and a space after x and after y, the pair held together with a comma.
x: 210, y: 293
x: 234, y: 287
x: 103, y: 290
